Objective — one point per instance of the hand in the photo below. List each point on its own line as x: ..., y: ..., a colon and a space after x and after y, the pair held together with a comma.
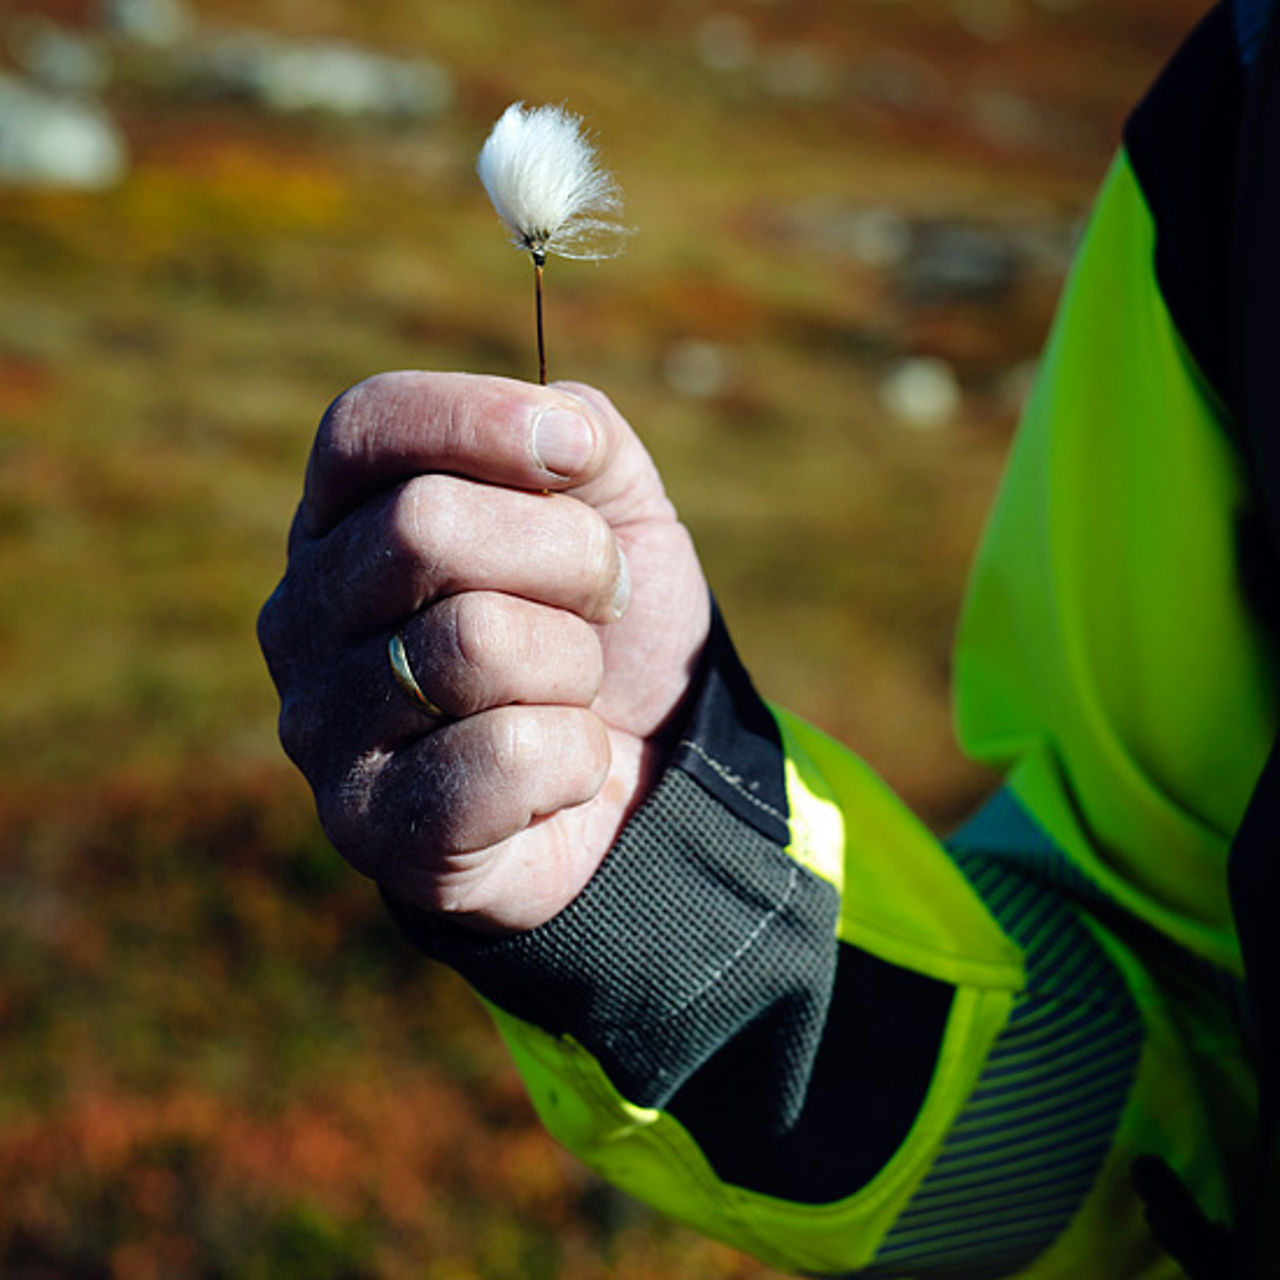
x: 550, y: 603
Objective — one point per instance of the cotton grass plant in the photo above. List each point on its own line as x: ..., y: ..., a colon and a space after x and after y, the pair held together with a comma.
x: 540, y: 170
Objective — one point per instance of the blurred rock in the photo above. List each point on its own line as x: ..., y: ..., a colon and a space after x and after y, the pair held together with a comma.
x: 1007, y: 119
x: 899, y: 83
x: 331, y: 77
x: 62, y: 60
x: 1016, y: 123
x: 160, y: 23
x: 955, y: 261
x: 52, y: 141
x: 1048, y: 247
x: 991, y: 20
x: 796, y: 71
x: 697, y: 369
x: 921, y: 392
x: 939, y: 260
x: 878, y: 238
x: 725, y: 42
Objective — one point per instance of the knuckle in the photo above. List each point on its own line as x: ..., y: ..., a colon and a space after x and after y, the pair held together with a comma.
x: 592, y: 662
x: 422, y: 517
x: 298, y: 728
x: 335, y: 436
x: 294, y: 622
x: 346, y: 422
x: 480, y: 631
x: 272, y: 628
x: 350, y: 427
x: 516, y: 746
x: 287, y: 636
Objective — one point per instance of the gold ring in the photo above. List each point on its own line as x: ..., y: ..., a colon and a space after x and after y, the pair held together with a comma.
x: 405, y: 678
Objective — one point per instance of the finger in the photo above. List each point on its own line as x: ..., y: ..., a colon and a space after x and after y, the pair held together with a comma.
x: 438, y: 536
x: 460, y: 790
x: 468, y: 654
x: 396, y: 425
x: 481, y: 650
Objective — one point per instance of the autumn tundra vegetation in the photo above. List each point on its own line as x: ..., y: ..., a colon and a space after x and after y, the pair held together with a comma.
x: 217, y: 1057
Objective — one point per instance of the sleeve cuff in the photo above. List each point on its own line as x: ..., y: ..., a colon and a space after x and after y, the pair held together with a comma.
x: 697, y: 925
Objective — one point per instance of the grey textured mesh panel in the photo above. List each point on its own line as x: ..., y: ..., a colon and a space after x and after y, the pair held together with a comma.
x: 694, y: 929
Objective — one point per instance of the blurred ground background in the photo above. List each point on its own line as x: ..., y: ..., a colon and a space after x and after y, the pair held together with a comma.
x: 216, y: 1058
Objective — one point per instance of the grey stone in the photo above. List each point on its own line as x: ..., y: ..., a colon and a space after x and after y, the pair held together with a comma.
x: 725, y: 42
x: 160, y: 23
x: 696, y: 368
x: 921, y: 392
x: 47, y: 140
x: 325, y: 76
x: 879, y: 238
x: 796, y: 71
x: 991, y: 20
x: 899, y: 83
x: 950, y: 260
x: 62, y: 60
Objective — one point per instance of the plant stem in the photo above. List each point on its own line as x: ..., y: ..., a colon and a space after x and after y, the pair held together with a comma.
x: 538, y: 260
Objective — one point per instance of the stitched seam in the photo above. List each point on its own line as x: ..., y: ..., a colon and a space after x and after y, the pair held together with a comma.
x: 793, y: 880
x: 734, y: 780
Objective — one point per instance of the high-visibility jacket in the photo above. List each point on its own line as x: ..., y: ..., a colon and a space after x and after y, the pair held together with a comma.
x: 786, y: 1014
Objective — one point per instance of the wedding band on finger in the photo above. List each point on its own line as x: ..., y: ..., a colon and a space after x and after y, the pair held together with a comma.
x: 407, y: 681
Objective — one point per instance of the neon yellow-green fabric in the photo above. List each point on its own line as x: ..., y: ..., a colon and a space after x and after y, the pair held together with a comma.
x: 1107, y: 656
x: 650, y: 1155
x: 1108, y: 662
x: 941, y: 927
x: 839, y: 807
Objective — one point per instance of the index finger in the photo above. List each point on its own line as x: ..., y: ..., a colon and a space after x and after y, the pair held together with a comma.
x: 397, y: 425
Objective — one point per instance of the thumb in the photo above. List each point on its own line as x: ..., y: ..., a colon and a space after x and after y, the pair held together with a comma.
x: 617, y: 477
x: 394, y: 426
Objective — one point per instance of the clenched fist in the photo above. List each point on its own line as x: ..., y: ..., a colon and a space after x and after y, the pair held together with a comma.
x: 551, y: 607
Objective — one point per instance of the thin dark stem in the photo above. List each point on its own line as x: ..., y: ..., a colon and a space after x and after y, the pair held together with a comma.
x: 537, y: 295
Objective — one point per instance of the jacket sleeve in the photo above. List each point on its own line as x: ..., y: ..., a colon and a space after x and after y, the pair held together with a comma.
x: 741, y: 1018
x: 785, y: 1014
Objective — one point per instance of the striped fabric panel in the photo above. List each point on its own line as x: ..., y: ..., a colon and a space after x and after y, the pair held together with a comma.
x: 1025, y: 1150
x: 1250, y: 17
x: 1003, y: 829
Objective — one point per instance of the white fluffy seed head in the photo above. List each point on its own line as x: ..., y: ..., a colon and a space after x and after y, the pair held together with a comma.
x: 541, y: 173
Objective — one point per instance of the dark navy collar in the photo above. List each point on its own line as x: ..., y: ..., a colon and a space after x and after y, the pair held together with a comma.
x: 1250, y: 20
